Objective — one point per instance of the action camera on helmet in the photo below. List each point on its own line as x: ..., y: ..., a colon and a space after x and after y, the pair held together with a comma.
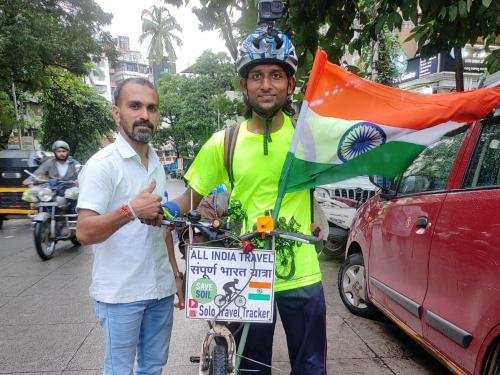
x: 270, y: 11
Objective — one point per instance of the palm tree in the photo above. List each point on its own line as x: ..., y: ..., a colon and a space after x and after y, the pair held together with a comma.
x: 159, y: 25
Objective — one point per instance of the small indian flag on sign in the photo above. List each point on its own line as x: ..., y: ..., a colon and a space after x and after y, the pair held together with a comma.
x: 349, y: 126
x: 259, y: 290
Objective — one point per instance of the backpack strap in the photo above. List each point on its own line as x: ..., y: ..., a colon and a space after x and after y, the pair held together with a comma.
x: 230, y: 135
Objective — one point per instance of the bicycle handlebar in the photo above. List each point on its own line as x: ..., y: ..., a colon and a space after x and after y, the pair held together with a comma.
x: 299, y: 237
x: 212, y: 233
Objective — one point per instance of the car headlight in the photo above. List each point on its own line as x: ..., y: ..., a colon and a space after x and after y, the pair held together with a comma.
x: 45, y: 194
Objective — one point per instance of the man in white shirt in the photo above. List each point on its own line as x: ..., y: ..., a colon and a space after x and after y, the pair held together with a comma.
x: 134, y: 276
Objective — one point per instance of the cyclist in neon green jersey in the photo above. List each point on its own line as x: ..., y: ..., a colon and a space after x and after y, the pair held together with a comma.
x: 267, y: 64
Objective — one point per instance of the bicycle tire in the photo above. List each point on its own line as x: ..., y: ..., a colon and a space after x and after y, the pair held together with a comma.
x: 240, y: 301
x: 220, y: 300
x: 218, y: 360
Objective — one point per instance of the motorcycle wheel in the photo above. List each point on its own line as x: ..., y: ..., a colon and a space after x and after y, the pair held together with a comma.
x: 45, y: 247
x: 218, y: 360
x: 334, y: 245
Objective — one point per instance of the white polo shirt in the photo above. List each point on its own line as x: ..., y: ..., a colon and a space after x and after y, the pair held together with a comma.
x: 132, y: 264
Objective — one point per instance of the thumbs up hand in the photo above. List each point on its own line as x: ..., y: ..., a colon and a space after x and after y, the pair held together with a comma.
x: 146, y: 205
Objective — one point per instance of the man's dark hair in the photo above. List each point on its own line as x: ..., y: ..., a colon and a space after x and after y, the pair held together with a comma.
x: 118, y: 90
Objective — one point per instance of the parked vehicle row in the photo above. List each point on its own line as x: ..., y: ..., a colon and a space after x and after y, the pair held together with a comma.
x: 426, y: 251
x: 339, y: 202
x: 13, y: 164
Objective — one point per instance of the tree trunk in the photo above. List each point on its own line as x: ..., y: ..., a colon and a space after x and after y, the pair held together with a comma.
x: 459, y: 69
x: 4, y: 139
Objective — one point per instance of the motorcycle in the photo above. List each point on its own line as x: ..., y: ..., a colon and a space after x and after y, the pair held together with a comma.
x: 56, y: 218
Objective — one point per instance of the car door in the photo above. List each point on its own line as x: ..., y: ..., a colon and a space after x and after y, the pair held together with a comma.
x: 402, y: 233
x: 463, y: 299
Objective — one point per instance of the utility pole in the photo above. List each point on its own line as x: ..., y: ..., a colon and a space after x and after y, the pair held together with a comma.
x: 17, y: 115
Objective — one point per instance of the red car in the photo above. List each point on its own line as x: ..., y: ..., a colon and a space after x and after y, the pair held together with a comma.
x: 426, y: 251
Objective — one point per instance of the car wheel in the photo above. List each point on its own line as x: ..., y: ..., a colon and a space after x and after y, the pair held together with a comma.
x: 492, y: 364
x: 352, y: 287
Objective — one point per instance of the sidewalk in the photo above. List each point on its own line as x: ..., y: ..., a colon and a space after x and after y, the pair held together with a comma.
x: 48, y: 324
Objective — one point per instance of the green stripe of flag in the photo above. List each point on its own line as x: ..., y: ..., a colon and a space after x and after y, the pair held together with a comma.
x: 387, y: 160
x: 259, y: 297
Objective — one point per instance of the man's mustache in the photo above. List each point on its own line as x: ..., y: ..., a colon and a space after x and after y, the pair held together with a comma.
x: 143, y: 123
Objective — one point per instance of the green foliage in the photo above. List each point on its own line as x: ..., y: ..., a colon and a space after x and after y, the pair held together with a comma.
x: 7, y: 119
x: 195, y: 106
x: 159, y: 25
x: 76, y: 113
x: 38, y: 35
x: 441, y: 25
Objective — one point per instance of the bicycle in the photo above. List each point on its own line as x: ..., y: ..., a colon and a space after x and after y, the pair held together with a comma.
x: 218, y: 355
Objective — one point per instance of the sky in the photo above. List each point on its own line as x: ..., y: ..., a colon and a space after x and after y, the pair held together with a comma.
x: 127, y: 22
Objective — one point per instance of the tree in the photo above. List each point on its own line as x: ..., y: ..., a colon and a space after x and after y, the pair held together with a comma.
x: 341, y: 26
x: 40, y: 38
x: 195, y: 106
x: 76, y: 113
x: 37, y: 36
x: 379, y: 56
x: 312, y: 23
x: 441, y: 26
x: 7, y: 119
x: 159, y: 25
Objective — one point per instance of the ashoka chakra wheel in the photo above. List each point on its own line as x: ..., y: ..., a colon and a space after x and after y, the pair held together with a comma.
x: 358, y: 139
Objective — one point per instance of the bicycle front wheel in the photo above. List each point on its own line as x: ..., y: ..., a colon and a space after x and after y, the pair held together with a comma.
x: 218, y: 360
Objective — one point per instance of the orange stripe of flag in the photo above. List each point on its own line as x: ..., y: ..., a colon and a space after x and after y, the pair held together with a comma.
x: 334, y: 92
x: 259, y: 285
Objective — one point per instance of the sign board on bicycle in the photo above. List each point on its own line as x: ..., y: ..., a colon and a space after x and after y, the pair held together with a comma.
x: 230, y: 285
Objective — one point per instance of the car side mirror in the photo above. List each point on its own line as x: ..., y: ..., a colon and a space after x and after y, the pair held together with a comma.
x: 385, y: 184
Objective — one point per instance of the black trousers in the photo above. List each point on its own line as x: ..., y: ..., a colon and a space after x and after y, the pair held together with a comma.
x: 303, y: 314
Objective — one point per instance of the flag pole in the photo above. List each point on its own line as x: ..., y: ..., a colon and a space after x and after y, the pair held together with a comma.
x: 319, y: 62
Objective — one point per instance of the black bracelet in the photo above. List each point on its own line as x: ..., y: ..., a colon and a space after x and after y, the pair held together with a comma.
x: 178, y: 275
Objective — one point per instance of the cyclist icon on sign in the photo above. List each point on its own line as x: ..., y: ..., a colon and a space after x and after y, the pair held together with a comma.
x: 231, y: 295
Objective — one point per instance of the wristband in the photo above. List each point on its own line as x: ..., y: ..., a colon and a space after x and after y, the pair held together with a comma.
x: 131, y: 210
x: 125, y: 211
x: 178, y: 275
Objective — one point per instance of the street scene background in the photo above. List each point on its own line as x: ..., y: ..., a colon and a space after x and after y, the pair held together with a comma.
x: 48, y: 324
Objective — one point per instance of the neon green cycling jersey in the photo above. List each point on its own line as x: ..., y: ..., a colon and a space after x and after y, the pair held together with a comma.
x: 256, y: 178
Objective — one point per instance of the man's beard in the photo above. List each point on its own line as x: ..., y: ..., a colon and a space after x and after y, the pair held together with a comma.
x: 138, y: 134
x: 265, y: 112
x: 61, y: 158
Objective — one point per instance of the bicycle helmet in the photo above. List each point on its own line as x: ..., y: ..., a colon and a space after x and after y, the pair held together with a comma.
x: 270, y: 46
x: 60, y: 144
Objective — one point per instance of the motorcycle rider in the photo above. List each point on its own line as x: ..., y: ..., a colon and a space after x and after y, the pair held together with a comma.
x: 62, y: 166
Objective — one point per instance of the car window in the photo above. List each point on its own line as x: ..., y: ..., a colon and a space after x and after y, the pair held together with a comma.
x: 484, y: 168
x: 430, y: 170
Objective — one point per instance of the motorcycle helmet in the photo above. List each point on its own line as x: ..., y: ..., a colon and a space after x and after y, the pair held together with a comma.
x: 264, y: 46
x: 60, y: 144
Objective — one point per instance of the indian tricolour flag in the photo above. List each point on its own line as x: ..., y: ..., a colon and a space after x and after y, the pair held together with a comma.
x: 349, y: 126
x: 259, y: 290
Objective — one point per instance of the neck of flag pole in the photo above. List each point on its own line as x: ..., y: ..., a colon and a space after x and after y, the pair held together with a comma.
x: 282, y: 185
x: 319, y: 61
